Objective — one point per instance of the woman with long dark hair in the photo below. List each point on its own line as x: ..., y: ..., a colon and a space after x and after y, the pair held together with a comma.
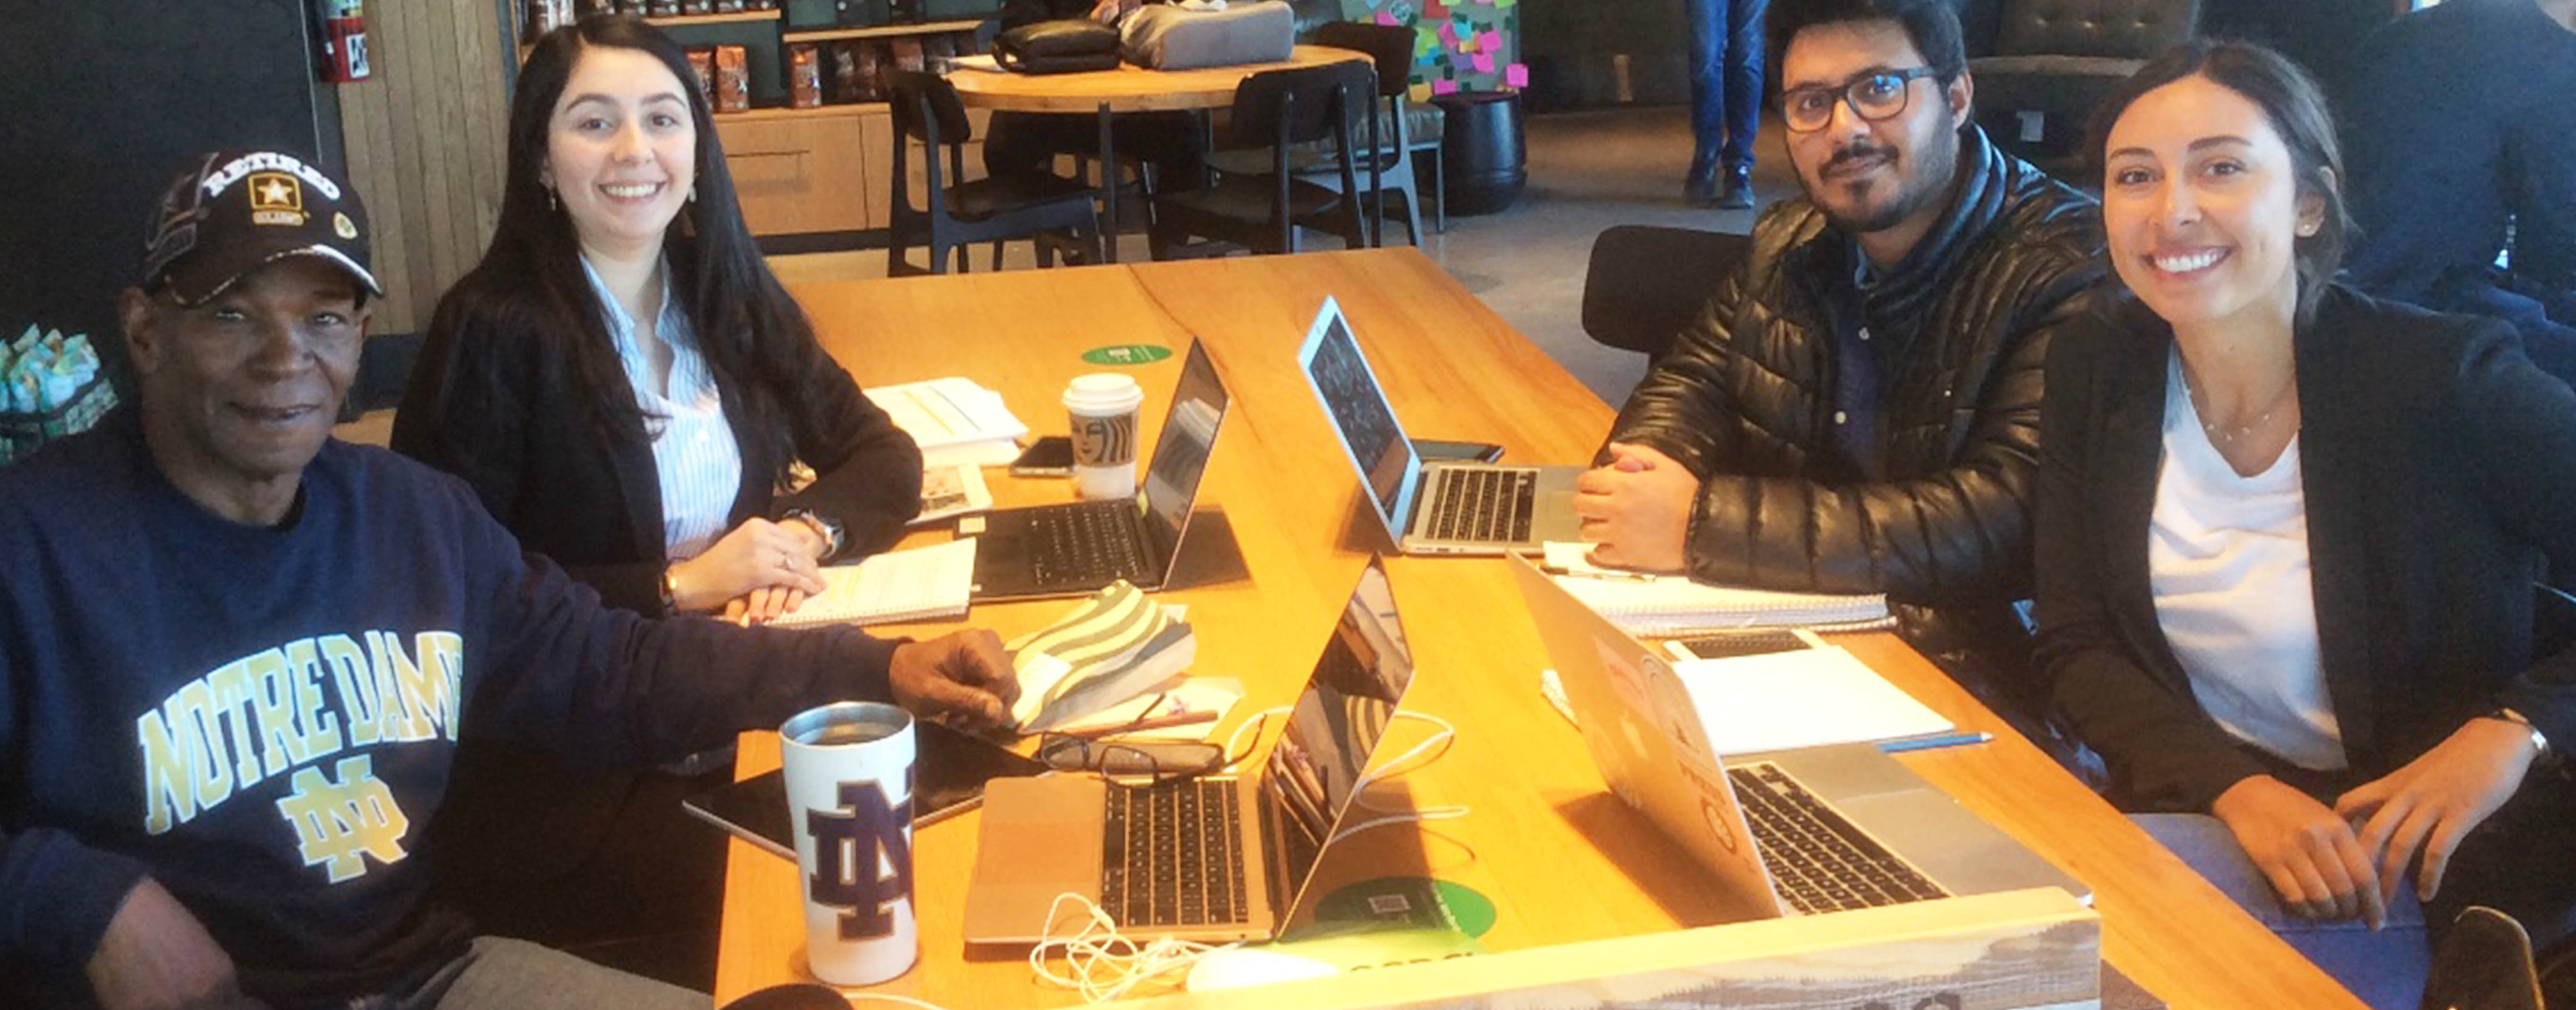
x: 2289, y: 538
x: 628, y: 389
x: 622, y: 380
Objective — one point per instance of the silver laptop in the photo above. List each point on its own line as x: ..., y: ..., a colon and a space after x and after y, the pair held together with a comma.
x: 1216, y: 858
x: 1435, y: 508
x: 1818, y: 829
x: 1073, y: 548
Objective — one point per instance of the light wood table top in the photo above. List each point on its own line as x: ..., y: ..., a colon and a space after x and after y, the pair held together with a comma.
x: 1129, y: 88
x: 1561, y: 859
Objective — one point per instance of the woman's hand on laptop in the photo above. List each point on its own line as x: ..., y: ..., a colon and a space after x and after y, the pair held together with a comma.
x: 1636, y: 510
x: 963, y: 678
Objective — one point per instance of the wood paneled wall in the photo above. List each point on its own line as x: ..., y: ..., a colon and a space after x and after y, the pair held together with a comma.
x: 425, y: 141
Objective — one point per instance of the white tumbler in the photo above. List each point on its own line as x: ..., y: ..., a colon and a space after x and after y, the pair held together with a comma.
x: 849, y: 797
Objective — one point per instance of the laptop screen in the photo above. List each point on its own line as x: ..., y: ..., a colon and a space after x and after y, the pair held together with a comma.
x: 1181, y: 451
x: 1360, y: 413
x: 1335, y: 728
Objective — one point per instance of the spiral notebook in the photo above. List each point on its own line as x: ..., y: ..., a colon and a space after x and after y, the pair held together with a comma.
x: 1657, y: 606
x: 924, y: 583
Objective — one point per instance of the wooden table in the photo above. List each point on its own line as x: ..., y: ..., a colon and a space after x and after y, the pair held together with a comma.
x: 1561, y: 859
x: 1129, y: 88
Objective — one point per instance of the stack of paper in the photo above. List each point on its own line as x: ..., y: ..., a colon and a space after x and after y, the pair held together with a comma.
x: 1673, y: 605
x: 1115, y: 645
x: 1800, y: 698
x: 920, y: 584
x: 955, y: 421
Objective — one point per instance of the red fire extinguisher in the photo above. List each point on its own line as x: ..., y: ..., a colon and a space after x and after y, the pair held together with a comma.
x: 344, y: 41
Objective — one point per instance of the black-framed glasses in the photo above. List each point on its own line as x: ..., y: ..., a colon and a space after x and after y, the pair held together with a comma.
x: 1874, y: 96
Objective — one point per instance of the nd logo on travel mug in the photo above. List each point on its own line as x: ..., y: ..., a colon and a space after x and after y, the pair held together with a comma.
x: 849, y: 796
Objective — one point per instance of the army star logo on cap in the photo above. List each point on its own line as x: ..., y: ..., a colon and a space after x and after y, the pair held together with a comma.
x: 276, y: 198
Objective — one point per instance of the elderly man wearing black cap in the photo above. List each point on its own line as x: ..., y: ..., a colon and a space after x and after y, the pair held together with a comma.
x: 234, y: 655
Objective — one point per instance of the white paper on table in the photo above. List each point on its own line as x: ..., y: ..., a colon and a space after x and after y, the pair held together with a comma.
x: 1800, y: 698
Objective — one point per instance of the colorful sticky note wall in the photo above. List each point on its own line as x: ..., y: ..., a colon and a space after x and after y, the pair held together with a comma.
x: 1459, y: 45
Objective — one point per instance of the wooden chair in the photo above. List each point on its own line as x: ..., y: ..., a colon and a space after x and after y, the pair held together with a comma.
x: 960, y: 212
x: 1645, y: 283
x: 1275, y: 111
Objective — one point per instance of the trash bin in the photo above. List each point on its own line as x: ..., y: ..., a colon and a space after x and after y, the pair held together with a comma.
x: 1484, y: 158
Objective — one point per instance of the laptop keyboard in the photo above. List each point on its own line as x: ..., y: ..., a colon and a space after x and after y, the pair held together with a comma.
x: 1085, y: 544
x: 1171, y: 855
x: 1821, y: 862
x: 1483, y: 504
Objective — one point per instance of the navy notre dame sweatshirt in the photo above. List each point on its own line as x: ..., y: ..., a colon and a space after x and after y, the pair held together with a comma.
x: 263, y: 719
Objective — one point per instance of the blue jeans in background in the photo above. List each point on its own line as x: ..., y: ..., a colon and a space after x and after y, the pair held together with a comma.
x: 1726, y: 82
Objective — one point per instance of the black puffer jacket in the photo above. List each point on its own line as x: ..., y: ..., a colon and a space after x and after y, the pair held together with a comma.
x: 1744, y: 398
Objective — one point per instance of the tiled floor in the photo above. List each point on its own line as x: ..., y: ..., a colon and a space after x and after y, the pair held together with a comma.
x: 1588, y: 171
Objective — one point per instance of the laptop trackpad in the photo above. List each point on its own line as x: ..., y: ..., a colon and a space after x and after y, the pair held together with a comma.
x: 1959, y: 851
x: 1040, y: 838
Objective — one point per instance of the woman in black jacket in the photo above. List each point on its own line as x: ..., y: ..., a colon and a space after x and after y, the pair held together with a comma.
x: 622, y: 301
x: 626, y: 386
x: 2289, y: 536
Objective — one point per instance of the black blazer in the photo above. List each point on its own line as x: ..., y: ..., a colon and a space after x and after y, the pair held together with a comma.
x: 2440, y: 472
x: 496, y: 402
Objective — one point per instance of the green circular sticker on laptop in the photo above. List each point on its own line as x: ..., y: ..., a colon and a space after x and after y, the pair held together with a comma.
x: 1419, y: 901
x: 1127, y: 354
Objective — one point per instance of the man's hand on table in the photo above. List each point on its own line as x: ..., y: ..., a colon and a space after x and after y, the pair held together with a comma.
x: 963, y: 678
x: 1636, y: 510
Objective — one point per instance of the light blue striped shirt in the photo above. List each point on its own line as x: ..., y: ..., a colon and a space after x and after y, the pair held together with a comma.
x: 694, y: 455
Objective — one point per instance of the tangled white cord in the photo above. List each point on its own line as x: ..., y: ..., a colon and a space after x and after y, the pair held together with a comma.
x: 1436, y: 746
x: 1103, y: 964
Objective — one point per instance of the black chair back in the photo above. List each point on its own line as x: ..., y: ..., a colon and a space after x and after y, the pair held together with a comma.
x: 1298, y: 106
x: 922, y: 100
x: 1645, y: 283
x: 1389, y: 48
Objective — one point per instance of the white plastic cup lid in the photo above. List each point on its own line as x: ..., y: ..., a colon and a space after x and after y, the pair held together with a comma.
x: 1103, y: 393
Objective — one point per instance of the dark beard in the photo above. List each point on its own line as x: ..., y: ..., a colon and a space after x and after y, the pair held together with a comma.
x: 1924, y: 190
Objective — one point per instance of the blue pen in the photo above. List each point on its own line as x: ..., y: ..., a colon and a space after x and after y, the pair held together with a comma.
x: 1931, y: 741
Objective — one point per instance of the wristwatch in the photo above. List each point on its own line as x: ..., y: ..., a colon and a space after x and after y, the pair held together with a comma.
x: 2539, y: 740
x: 823, y: 526
x: 670, y: 591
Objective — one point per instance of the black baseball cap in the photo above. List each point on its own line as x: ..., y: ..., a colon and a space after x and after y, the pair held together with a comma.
x: 237, y: 211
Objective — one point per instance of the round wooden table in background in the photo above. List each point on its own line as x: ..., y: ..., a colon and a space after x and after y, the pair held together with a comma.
x: 1130, y: 88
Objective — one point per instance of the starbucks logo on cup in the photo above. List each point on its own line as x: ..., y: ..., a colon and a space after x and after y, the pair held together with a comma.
x: 1104, y: 441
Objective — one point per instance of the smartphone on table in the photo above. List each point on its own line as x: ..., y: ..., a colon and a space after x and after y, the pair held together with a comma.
x: 1051, y: 456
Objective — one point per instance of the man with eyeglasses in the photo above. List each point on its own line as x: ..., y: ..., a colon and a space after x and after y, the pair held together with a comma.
x: 1857, y: 410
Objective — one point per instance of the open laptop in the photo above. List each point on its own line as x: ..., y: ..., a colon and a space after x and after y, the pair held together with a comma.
x: 1216, y: 858
x: 1434, y: 508
x: 1073, y: 548
x: 1818, y: 829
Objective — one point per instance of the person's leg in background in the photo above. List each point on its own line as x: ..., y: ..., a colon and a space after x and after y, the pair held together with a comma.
x: 1744, y: 63
x: 1708, y: 41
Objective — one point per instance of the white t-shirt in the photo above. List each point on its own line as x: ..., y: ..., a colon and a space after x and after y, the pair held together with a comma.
x: 2227, y: 558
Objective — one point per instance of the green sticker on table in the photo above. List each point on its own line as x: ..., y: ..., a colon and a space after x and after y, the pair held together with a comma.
x: 1417, y: 901
x: 1127, y: 354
